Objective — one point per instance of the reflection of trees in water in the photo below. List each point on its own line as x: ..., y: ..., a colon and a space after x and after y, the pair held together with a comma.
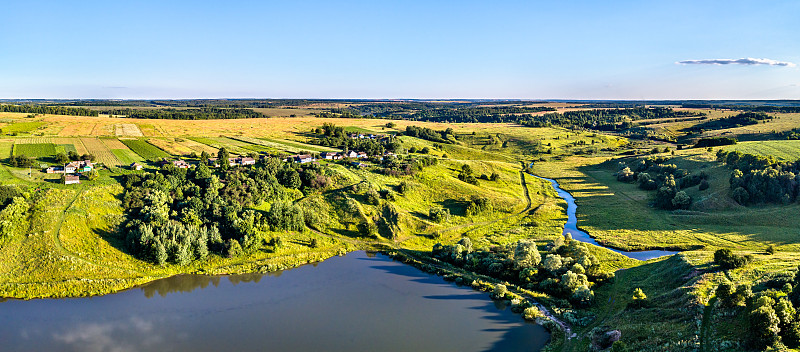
x: 236, y: 279
x: 189, y: 283
x: 179, y: 283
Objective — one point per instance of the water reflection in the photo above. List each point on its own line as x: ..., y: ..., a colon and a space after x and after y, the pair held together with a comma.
x: 357, y: 302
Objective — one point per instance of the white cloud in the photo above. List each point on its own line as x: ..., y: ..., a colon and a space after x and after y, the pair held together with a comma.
x: 742, y: 61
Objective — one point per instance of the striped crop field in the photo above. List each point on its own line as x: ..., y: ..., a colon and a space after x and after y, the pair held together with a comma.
x: 127, y: 130
x: 144, y: 149
x: 206, y: 141
x: 101, y: 153
x: 126, y: 156
x: 113, y: 143
x: 196, y: 146
x: 38, y: 150
x: 170, y: 145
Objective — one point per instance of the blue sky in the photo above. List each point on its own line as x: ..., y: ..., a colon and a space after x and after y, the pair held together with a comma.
x: 399, y: 49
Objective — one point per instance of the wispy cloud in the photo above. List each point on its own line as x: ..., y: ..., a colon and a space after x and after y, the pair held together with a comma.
x: 742, y: 61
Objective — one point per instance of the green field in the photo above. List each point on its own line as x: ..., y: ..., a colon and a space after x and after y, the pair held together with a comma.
x: 788, y: 150
x: 144, y: 149
x: 22, y: 127
x: 40, y: 150
x: 127, y: 157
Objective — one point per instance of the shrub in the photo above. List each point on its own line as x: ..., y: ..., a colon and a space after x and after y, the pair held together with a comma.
x: 439, y: 214
x: 726, y: 259
x: 499, y: 291
x: 531, y: 313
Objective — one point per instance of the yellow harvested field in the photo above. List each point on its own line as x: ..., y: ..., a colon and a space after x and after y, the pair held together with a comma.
x: 198, y: 147
x: 77, y: 129
x: 170, y: 146
x: 79, y: 147
x: 102, y: 153
x: 278, y: 127
x: 113, y: 143
x: 127, y: 130
x: 103, y: 130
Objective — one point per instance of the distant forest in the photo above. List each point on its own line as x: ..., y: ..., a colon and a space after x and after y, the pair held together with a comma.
x: 605, y: 119
x: 52, y: 110
x: 186, y: 114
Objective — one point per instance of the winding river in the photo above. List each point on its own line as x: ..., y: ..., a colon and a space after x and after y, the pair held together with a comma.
x: 358, y: 302
x: 571, y: 227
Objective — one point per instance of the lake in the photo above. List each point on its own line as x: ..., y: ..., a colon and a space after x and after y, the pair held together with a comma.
x: 361, y: 302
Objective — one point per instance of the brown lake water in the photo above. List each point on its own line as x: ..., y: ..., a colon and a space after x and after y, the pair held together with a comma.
x: 358, y: 302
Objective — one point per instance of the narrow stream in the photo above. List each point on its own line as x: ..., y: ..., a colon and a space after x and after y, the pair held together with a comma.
x: 571, y: 227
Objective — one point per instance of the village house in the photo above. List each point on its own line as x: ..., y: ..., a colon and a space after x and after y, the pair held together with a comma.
x: 246, y: 161
x: 181, y: 164
x: 350, y: 154
x: 71, y: 179
x: 136, y: 166
x: 55, y: 170
x: 303, y: 158
x: 361, y: 155
x: 331, y: 155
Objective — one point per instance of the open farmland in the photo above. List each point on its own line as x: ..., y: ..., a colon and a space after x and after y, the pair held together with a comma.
x: 102, y: 154
x: 788, y: 150
x: 127, y: 130
x: 172, y: 146
x: 40, y: 150
x: 22, y: 127
x: 144, y: 149
x: 126, y: 156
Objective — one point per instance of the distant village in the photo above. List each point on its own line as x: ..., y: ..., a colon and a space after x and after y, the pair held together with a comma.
x: 73, y: 169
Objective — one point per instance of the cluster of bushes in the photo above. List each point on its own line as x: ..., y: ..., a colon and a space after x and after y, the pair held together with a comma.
x: 567, y: 271
x: 408, y: 165
x: 738, y: 120
x: 179, y: 215
x: 477, y: 205
x: 772, y: 319
x: 757, y: 179
x: 446, y: 136
x: 666, y: 179
x: 726, y: 259
x: 466, y: 175
x: 20, y: 161
x: 715, y: 142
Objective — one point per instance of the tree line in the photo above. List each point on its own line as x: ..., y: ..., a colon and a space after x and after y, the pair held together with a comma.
x: 738, y: 120
x: 204, y: 113
x: 51, y: 110
x: 604, y: 119
x: 568, y: 270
